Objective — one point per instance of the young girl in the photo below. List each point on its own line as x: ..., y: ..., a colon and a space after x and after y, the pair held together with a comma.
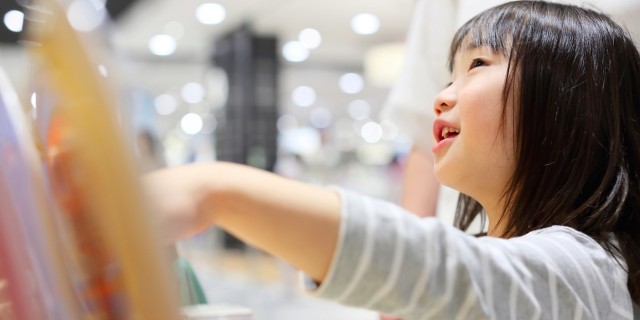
x: 539, y: 128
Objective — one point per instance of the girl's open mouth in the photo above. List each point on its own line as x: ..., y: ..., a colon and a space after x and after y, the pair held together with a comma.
x: 443, y: 130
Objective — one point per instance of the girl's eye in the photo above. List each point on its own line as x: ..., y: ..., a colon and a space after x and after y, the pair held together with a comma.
x: 476, y: 63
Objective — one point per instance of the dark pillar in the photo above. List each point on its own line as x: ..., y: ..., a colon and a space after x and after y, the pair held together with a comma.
x: 247, y: 131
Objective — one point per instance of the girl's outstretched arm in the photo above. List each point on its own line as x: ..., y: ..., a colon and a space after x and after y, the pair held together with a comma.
x: 295, y: 221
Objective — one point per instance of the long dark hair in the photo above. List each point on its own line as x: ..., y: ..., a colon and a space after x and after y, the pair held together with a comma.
x: 575, y: 78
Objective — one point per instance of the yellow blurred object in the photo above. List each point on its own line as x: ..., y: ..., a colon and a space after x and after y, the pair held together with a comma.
x: 92, y: 173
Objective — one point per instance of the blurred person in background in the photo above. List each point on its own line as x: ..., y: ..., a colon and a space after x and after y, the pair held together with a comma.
x: 150, y: 151
x: 409, y: 103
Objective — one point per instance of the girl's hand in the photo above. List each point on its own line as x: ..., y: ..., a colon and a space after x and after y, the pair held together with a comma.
x: 294, y: 221
x: 178, y: 198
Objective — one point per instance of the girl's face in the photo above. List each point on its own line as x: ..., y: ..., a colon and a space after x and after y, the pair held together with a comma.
x: 473, y: 152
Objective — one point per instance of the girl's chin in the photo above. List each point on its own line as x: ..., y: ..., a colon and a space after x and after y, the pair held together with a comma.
x: 442, y: 174
x: 448, y: 174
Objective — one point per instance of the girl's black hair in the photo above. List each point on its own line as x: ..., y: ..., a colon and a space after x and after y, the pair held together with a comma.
x: 575, y: 77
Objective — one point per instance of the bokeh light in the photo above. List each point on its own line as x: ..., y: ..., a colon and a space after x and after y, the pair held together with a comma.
x: 365, y: 23
x: 371, y: 132
x: 192, y: 92
x: 351, y: 83
x: 86, y: 16
x: 191, y: 123
x: 14, y: 20
x: 320, y: 118
x: 162, y: 45
x: 294, y: 51
x: 303, y: 96
x: 310, y: 38
x: 211, y: 13
x: 165, y: 104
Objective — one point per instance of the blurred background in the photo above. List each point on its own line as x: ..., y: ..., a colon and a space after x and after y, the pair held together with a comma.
x: 291, y: 86
x: 321, y: 70
x: 259, y: 80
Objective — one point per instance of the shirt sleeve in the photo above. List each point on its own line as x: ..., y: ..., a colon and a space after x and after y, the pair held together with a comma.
x: 393, y: 262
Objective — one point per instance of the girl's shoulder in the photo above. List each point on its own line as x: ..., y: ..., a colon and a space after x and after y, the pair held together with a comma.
x: 562, y: 230
x: 583, y: 263
x: 564, y: 234
x: 568, y: 244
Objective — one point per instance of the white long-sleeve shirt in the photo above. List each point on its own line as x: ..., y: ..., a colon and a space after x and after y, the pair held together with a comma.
x: 394, y: 262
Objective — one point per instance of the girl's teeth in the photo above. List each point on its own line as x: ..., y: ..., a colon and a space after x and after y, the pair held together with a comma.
x: 447, y: 130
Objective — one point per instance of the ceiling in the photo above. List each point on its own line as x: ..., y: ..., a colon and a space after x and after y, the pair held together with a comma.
x: 136, y: 21
x: 285, y: 19
x: 341, y: 50
x: 281, y: 18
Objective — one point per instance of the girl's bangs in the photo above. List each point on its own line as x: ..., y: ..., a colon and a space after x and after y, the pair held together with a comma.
x: 495, y: 28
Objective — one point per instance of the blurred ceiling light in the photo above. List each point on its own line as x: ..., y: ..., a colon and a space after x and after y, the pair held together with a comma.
x: 320, y: 118
x: 371, y: 132
x: 210, y: 13
x: 365, y: 23
x: 103, y: 70
x: 389, y: 130
x: 174, y: 29
x: 310, y: 38
x: 165, y: 104
x: 303, y: 96
x: 359, y: 109
x: 192, y: 92
x: 351, y: 83
x: 162, y: 45
x: 191, y: 123
x: 294, y: 51
x: 383, y: 63
x: 286, y: 122
x: 300, y: 140
x: 86, y: 15
x: 14, y: 20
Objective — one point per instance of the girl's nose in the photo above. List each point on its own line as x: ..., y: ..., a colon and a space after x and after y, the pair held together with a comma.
x: 445, y: 100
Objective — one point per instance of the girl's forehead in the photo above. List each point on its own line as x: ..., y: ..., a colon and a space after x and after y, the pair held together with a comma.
x: 475, y: 49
